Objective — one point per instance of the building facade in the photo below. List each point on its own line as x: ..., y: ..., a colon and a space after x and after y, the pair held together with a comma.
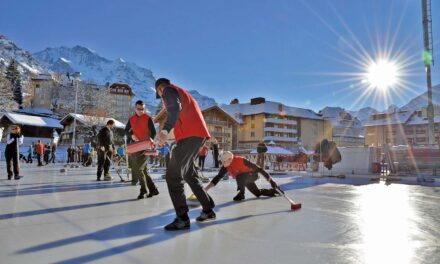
x: 400, y: 127
x: 267, y: 121
x: 222, y: 126
x: 121, y: 97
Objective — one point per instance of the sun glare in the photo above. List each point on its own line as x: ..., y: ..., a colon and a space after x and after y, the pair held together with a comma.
x: 382, y: 74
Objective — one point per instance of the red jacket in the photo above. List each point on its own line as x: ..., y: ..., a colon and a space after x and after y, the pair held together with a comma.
x: 238, y: 167
x: 190, y: 122
x: 40, y: 149
x: 139, y: 126
x: 204, y: 151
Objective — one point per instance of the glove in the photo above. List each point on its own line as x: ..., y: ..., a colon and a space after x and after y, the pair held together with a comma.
x: 274, y: 184
x: 10, y: 141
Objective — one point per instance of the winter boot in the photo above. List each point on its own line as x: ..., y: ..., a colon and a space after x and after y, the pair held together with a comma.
x: 178, y: 224
x: 206, y: 216
x: 239, y: 197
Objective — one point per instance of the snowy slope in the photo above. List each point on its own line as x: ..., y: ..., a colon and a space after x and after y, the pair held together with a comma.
x: 422, y: 101
x: 27, y: 64
x: 364, y: 113
x: 100, y: 70
x: 203, y: 101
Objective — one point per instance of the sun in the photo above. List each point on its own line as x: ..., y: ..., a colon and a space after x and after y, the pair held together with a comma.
x: 382, y: 74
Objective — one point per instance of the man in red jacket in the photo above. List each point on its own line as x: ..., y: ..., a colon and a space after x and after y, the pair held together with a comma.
x: 246, y: 173
x: 40, y: 152
x: 140, y: 127
x: 202, y: 156
x: 185, y: 118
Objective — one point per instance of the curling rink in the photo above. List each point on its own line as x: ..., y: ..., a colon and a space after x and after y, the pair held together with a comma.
x: 51, y: 217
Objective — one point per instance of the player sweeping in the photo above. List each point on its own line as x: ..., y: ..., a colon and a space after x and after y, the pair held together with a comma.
x: 246, y: 173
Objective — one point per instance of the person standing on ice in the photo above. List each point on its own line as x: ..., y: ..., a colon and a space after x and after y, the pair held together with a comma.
x: 141, y: 127
x: 246, y: 173
x: 202, y: 156
x: 185, y: 118
x: 13, y: 141
x: 105, y: 150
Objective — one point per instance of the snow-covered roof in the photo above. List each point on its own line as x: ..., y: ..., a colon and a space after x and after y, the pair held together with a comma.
x: 30, y: 120
x: 416, y: 120
x: 269, y: 107
x: 224, y: 111
x: 275, y: 150
x: 394, y: 118
x: 339, y: 118
x: 36, y: 111
x: 93, y: 120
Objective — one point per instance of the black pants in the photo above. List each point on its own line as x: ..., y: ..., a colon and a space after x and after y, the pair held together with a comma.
x: 138, y: 164
x: 87, y: 159
x: 29, y: 158
x: 247, y: 180
x: 103, y: 162
x: 202, y: 162
x: 12, y: 157
x: 52, y: 157
x: 182, y: 167
x: 39, y: 160
x: 216, y: 159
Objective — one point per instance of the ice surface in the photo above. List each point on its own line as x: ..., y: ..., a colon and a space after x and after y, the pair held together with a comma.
x: 49, y: 217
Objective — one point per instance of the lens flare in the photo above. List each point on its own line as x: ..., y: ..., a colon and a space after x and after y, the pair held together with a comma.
x: 382, y: 74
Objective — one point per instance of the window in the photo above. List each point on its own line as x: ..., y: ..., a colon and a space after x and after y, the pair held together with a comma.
x: 252, y: 125
x: 252, y: 117
x: 252, y: 134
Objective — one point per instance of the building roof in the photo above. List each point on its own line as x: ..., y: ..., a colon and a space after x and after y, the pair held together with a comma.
x: 339, y: 118
x: 92, y: 120
x: 416, y: 120
x: 275, y: 150
x: 121, y: 85
x: 30, y: 120
x: 223, y: 111
x: 268, y: 107
x: 393, y: 118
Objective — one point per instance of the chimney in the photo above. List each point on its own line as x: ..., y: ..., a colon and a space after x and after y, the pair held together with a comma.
x: 258, y: 100
x: 234, y: 101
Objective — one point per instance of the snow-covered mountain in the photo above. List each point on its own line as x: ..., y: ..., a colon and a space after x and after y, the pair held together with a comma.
x: 98, y: 69
x: 95, y: 68
x: 26, y: 63
x: 364, y: 113
x: 203, y: 101
x: 422, y: 100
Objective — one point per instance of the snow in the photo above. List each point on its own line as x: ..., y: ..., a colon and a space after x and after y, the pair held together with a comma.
x: 416, y: 120
x: 29, y: 120
x: 93, y: 120
x: 65, y: 60
x: 268, y: 107
x: 275, y: 150
x: 394, y: 118
x: 101, y: 70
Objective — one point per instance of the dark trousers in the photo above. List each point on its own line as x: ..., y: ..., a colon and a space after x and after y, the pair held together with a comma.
x: 87, y: 159
x: 216, y: 159
x: 29, y: 158
x: 138, y: 164
x: 103, y: 162
x: 40, y: 163
x: 12, y: 158
x: 52, y: 157
x: 182, y: 167
x: 247, y: 180
x: 202, y: 162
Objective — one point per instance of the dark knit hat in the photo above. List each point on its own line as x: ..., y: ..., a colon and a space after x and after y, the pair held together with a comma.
x: 159, y: 82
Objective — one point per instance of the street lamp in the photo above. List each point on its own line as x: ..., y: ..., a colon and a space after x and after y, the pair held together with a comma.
x: 76, y: 76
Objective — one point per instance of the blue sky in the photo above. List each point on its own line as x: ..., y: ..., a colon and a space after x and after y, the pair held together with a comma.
x: 302, y: 53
